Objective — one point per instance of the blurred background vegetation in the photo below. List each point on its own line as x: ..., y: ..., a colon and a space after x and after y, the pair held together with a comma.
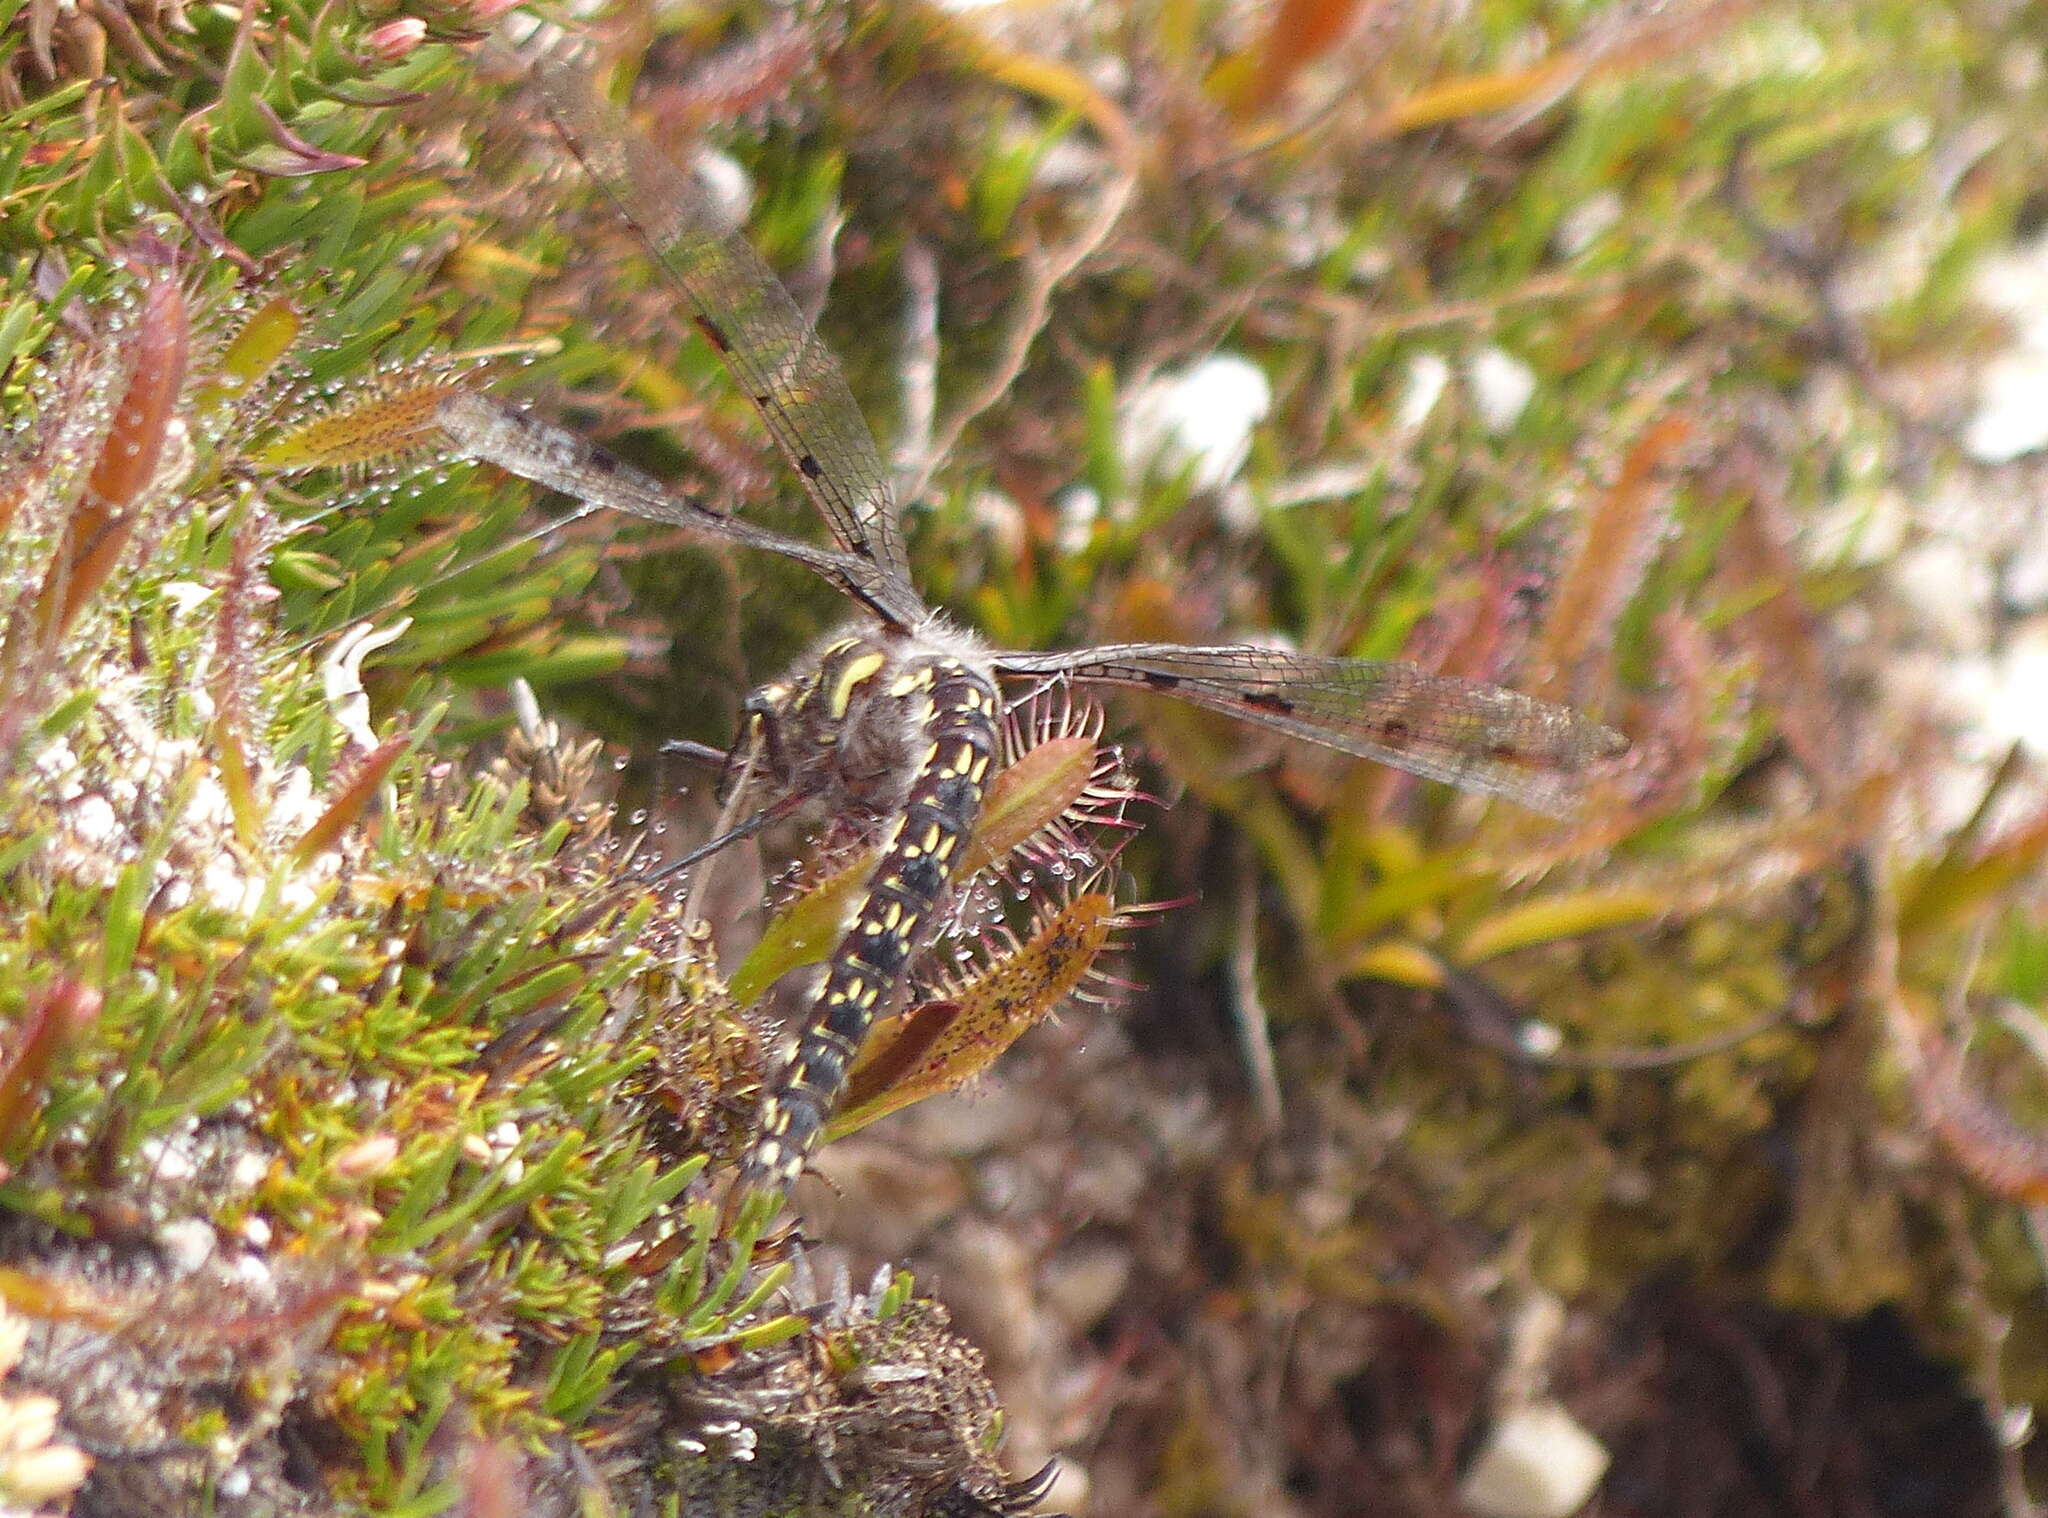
x: 363, y: 1121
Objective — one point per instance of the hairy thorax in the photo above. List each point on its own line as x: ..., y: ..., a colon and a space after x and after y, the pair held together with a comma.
x: 845, y: 726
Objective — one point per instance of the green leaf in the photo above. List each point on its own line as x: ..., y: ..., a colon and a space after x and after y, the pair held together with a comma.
x: 1553, y: 919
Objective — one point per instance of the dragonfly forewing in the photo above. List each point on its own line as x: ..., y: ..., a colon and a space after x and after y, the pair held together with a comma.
x: 742, y: 309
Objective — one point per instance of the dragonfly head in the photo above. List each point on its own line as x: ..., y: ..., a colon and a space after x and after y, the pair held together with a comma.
x: 831, y: 729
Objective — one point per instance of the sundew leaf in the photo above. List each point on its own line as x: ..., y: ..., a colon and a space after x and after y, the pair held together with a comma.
x: 1031, y: 794
x: 943, y: 1044
x: 376, y: 424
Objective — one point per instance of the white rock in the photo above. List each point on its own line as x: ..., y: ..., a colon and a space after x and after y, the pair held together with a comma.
x: 1537, y: 1462
x: 1501, y: 387
x: 1428, y: 374
x: 725, y: 180
x: 1079, y: 508
x: 1946, y: 581
x: 1003, y: 520
x: 1909, y: 135
x: 186, y: 1243
x: 185, y: 594
x: 2012, y: 396
x: 2012, y: 406
x: 1202, y: 415
x: 1580, y: 227
x: 2004, y: 694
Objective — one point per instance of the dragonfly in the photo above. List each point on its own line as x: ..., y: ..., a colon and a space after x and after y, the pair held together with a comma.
x: 898, y: 716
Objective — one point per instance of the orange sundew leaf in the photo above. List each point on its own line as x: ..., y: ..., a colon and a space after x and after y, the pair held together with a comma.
x: 478, y: 259
x: 391, y: 420
x: 135, y: 443
x: 1675, y: 730
x: 1612, y: 549
x: 414, y: 892
x: 23, y: 479
x: 894, y: 1052
x: 355, y: 797
x: 1785, y: 635
x: 1401, y: 963
x: 944, y: 1044
x: 1642, y: 38
x: 103, y: 519
x: 1032, y: 793
x: 252, y: 355
x: 1298, y: 33
x: 57, y: 1300
x: 712, y: 1360
x: 1988, y: 1146
x: 1985, y: 1144
x: 229, y: 687
x: 1047, y: 78
x: 1469, y: 95
x: 69, y: 431
x: 804, y: 931
x: 1475, y: 628
x: 236, y: 780
x: 62, y: 1011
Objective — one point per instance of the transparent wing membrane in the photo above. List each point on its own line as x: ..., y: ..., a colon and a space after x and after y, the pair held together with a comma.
x: 745, y: 313
x: 1478, y: 737
x: 537, y: 450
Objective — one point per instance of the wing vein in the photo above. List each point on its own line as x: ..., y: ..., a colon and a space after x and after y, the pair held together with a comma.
x: 1480, y: 737
x: 743, y: 310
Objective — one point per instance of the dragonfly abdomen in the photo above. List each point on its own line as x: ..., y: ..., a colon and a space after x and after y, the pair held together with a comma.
x: 868, y: 971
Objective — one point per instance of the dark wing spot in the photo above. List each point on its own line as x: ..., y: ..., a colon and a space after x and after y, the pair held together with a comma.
x: 1160, y: 681
x: 1268, y: 701
x: 811, y: 468
x: 1507, y: 753
x: 1394, y: 730
x: 713, y: 334
x: 601, y: 462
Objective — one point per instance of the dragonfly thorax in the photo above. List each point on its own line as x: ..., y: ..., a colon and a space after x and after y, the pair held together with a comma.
x: 847, y: 725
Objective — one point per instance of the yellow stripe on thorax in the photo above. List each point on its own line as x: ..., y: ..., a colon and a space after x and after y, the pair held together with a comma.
x: 856, y: 673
